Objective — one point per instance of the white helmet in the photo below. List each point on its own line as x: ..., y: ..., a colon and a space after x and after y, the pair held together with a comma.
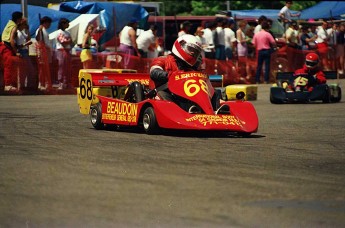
x: 187, y: 48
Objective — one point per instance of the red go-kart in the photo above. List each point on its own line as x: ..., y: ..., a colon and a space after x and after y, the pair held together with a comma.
x: 194, y: 105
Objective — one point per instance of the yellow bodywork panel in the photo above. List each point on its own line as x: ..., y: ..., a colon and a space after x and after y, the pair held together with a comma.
x: 251, y: 91
x: 85, y: 93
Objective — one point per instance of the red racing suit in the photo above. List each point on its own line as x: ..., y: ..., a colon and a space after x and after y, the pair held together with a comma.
x: 167, y: 64
x: 163, y: 67
x: 317, y: 74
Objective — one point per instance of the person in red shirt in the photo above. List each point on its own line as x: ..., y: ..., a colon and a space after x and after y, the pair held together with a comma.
x: 312, y: 69
x: 185, y: 56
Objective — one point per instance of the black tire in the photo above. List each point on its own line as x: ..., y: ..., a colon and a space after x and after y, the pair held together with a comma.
x: 96, y: 116
x: 338, y: 98
x: 274, y: 100
x: 326, y: 97
x: 244, y: 134
x: 150, y: 122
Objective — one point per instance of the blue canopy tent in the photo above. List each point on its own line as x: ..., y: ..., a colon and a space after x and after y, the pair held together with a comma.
x: 256, y: 13
x: 34, y: 12
x: 325, y: 10
x: 272, y: 14
x: 124, y: 13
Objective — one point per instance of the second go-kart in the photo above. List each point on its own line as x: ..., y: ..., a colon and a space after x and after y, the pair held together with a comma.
x: 297, y: 89
x: 192, y: 108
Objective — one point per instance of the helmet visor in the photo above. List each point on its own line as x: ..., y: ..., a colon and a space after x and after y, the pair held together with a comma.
x: 191, y: 49
x: 311, y: 63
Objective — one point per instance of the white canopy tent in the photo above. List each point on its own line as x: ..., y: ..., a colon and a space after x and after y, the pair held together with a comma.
x: 77, y: 27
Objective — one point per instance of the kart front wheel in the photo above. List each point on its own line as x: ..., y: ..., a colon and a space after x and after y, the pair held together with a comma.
x: 274, y: 100
x: 96, y: 116
x: 150, y: 122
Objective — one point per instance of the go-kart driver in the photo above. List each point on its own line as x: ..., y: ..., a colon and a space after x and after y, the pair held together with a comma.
x: 312, y: 70
x: 185, y: 56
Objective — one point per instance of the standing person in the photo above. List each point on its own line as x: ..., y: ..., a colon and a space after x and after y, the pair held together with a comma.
x: 332, y: 44
x: 242, y: 48
x: 312, y: 33
x: 86, y: 55
x: 219, y: 39
x: 128, y: 37
x: 230, y: 39
x: 306, y: 39
x: 25, y: 68
x: 185, y: 28
x: 8, y: 50
x: 199, y: 35
x: 63, y: 54
x: 208, y: 35
x: 264, y: 42
x: 261, y: 19
x: 44, y: 54
x: 146, y: 41
x: 340, y: 48
x: 285, y: 14
x: 292, y: 46
x: 291, y: 35
x: 322, y: 44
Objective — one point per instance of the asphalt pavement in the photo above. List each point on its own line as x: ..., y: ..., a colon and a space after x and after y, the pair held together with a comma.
x: 57, y: 171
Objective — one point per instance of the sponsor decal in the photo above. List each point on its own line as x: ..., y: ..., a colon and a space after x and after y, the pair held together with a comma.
x: 106, y: 81
x: 121, y: 111
x: 142, y: 81
x: 190, y: 75
x: 216, y: 119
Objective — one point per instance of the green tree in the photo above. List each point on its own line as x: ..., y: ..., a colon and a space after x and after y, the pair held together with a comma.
x: 211, y: 7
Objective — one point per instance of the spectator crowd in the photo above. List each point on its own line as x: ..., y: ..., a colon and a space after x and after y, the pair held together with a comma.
x: 223, y: 40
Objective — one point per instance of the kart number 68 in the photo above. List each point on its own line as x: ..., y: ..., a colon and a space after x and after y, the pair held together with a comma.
x: 191, y: 87
x: 85, y: 89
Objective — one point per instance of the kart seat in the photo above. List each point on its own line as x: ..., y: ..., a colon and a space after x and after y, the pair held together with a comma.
x: 134, y: 93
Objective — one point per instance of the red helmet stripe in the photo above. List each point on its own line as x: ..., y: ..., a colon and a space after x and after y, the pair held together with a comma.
x: 188, y: 58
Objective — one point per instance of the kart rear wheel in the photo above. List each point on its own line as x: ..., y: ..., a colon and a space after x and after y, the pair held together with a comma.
x: 96, y: 116
x: 150, y: 122
x: 326, y: 97
x: 338, y: 98
x: 244, y: 134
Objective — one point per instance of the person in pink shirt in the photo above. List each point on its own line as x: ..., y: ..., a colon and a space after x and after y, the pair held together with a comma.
x: 264, y: 44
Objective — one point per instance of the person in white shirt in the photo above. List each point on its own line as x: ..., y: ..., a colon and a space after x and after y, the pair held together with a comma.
x: 128, y: 37
x: 230, y: 39
x: 292, y: 35
x: 220, y: 40
x: 146, y: 41
x: 25, y: 68
x: 208, y: 35
x: 322, y: 44
x: 285, y: 14
x: 332, y: 42
x: 185, y: 27
x: 63, y: 54
x: 261, y: 19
